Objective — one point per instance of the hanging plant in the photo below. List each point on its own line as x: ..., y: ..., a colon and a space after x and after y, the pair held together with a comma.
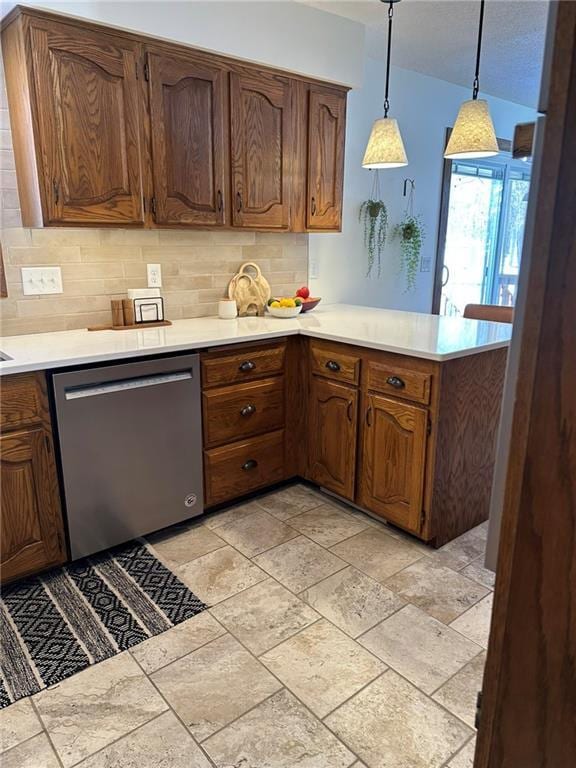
x: 374, y: 216
x: 410, y: 232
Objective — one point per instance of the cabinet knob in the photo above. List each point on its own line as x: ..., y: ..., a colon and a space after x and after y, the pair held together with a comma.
x: 219, y: 199
x: 349, y: 411
x: 246, y: 366
x: 313, y: 206
x: 250, y: 464
x: 238, y: 202
x: 248, y: 410
x: 396, y: 382
x: 369, y: 416
x: 332, y: 365
x: 56, y: 188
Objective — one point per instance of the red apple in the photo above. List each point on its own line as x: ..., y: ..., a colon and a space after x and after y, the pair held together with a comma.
x: 303, y: 292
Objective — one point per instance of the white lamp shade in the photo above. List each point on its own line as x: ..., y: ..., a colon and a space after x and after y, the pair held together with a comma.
x: 385, y: 147
x: 473, y: 133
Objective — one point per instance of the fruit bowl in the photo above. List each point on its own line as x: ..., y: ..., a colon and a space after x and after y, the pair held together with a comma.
x: 310, y: 303
x: 285, y: 311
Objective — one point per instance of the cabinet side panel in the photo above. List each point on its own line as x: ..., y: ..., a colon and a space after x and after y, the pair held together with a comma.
x: 20, y: 99
x: 469, y: 414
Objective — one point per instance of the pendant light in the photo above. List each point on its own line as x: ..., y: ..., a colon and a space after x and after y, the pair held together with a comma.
x: 473, y: 134
x: 385, y: 147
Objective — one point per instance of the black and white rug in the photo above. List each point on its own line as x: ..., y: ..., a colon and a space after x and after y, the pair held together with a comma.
x: 56, y: 624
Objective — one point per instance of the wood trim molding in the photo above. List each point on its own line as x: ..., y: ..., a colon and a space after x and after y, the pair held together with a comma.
x: 528, y: 713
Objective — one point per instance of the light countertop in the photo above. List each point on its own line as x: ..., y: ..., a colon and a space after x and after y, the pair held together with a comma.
x: 419, y: 335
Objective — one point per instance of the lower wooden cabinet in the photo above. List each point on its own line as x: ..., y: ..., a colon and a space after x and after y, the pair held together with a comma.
x: 332, y: 435
x: 32, y: 529
x: 240, y: 468
x: 394, y: 461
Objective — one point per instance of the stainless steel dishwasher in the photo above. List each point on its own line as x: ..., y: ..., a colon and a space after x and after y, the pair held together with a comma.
x: 131, y: 449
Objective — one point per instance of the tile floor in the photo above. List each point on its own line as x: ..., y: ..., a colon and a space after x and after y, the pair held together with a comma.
x: 332, y: 641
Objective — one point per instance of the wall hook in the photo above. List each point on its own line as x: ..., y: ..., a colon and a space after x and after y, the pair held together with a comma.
x: 413, y: 184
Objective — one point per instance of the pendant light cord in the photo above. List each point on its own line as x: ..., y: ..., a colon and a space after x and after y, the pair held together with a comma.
x: 476, y: 86
x: 390, y: 15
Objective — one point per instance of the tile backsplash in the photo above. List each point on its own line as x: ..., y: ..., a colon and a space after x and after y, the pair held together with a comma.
x: 101, y: 264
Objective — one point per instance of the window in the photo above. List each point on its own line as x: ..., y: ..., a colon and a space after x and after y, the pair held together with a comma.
x: 484, y: 230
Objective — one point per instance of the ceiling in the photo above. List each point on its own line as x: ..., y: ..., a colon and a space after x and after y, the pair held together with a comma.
x: 438, y: 38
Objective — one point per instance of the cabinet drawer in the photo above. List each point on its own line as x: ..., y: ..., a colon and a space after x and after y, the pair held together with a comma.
x: 245, y: 365
x: 334, y: 364
x: 402, y: 382
x: 236, y: 469
x: 22, y: 401
x: 243, y: 410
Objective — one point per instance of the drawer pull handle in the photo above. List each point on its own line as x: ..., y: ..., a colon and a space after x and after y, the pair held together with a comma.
x: 250, y: 464
x: 248, y: 410
x: 369, y: 416
x: 332, y: 365
x: 396, y: 382
x: 246, y: 366
x: 349, y: 411
x: 238, y: 202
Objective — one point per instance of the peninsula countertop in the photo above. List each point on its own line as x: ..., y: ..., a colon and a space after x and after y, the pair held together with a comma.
x: 408, y: 333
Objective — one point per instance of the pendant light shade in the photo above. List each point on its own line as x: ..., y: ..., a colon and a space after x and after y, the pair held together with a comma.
x: 473, y: 134
x: 385, y: 147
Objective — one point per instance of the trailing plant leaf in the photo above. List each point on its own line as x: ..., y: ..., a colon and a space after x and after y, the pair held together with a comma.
x: 374, y: 216
x: 410, y: 232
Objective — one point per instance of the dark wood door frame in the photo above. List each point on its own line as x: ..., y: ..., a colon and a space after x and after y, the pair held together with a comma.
x: 528, y: 713
x: 504, y: 146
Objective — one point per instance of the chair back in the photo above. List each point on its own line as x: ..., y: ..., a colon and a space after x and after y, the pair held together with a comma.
x: 492, y: 312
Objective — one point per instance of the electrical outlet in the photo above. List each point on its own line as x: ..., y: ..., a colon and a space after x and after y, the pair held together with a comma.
x: 314, y: 270
x: 40, y: 280
x: 154, y: 275
x: 425, y: 264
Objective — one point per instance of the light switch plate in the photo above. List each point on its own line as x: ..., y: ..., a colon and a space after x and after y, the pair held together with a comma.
x: 154, y: 272
x: 37, y: 281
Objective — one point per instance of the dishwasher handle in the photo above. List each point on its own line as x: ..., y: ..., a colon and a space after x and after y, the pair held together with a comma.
x: 111, y: 387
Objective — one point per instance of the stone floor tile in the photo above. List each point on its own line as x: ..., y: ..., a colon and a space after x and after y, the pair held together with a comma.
x: 420, y: 648
x: 463, y: 550
x: 162, y: 743
x: 176, y: 642
x: 178, y: 547
x: 299, y: 563
x: 376, y: 553
x: 233, y: 514
x: 477, y: 572
x: 327, y: 525
x: 34, y: 753
x: 391, y: 724
x: 322, y: 666
x: 220, y: 574
x: 475, y: 623
x: 90, y: 710
x: 437, y: 589
x: 18, y: 722
x: 352, y: 600
x: 256, y: 533
x: 264, y: 615
x: 460, y: 693
x: 464, y: 758
x: 290, y: 501
x: 214, y: 685
x: 280, y: 733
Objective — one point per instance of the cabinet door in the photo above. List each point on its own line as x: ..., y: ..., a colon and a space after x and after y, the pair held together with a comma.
x: 261, y: 140
x: 88, y: 108
x: 394, y: 460
x: 189, y: 157
x: 326, y: 135
x: 333, y: 423
x: 32, y: 534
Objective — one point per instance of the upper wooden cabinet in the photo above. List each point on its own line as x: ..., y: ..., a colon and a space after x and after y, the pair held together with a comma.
x: 261, y: 142
x: 189, y: 158
x: 89, y: 114
x: 326, y: 132
x: 114, y: 128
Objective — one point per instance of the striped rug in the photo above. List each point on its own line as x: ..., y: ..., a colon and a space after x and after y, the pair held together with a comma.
x: 56, y: 624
